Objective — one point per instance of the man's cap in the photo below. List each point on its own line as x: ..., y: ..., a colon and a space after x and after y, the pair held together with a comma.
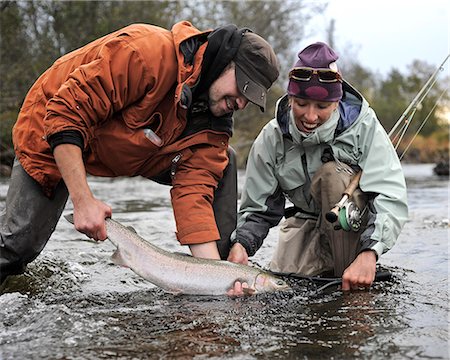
x: 256, y: 68
x: 317, y: 56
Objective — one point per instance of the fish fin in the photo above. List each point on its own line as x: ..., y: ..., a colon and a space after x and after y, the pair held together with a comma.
x: 69, y: 218
x: 175, y: 292
x: 182, y: 253
x: 118, y: 259
x: 132, y: 229
x: 249, y: 291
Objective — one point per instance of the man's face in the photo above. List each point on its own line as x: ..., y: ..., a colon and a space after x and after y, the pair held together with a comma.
x: 224, y: 96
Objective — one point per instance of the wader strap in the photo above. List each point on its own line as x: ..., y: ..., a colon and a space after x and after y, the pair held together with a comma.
x: 291, y: 211
x: 307, y: 185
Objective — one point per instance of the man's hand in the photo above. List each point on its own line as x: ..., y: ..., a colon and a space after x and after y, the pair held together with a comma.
x: 240, y: 289
x: 88, y: 213
x: 238, y: 254
x: 89, y: 218
x: 361, y: 272
x: 209, y: 251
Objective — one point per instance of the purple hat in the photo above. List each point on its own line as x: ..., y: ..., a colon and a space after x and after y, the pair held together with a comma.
x: 315, y: 75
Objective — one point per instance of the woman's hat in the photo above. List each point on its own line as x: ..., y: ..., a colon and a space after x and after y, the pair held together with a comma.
x: 315, y: 75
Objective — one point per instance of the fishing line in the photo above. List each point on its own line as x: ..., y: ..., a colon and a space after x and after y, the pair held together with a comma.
x: 423, y: 123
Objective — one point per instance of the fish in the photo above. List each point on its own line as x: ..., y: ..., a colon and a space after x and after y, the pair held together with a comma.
x: 179, y: 273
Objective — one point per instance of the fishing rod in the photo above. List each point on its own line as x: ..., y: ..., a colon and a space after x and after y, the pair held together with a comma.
x: 327, y: 282
x: 346, y: 211
x: 380, y: 275
x: 408, y: 114
x: 423, y: 123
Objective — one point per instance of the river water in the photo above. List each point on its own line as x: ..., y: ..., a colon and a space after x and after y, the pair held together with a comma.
x: 73, y: 303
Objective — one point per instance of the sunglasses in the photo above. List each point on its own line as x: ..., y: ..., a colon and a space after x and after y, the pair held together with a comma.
x: 306, y: 73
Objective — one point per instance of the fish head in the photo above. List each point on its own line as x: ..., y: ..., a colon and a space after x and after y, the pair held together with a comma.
x: 265, y: 282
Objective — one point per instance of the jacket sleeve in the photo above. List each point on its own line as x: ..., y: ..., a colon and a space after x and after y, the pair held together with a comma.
x: 192, y: 192
x: 383, y: 177
x: 99, y: 81
x: 262, y: 201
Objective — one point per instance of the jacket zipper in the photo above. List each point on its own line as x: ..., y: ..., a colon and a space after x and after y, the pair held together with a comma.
x: 173, y: 167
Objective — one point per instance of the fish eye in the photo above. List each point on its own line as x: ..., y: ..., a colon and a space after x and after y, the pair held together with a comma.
x: 280, y: 282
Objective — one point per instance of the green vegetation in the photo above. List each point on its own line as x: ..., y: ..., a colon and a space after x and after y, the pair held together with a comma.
x: 34, y: 33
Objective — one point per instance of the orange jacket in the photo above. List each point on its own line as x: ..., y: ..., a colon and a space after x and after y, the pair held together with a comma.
x: 110, y: 91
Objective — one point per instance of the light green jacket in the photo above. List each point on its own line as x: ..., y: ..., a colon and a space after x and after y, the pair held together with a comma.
x: 281, y: 163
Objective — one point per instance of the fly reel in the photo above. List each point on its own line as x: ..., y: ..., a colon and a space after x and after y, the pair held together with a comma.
x: 346, y: 212
x: 349, y: 217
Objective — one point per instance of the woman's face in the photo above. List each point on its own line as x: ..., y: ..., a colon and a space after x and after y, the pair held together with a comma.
x: 310, y: 114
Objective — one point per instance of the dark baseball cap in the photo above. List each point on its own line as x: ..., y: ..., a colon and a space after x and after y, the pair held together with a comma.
x: 256, y: 68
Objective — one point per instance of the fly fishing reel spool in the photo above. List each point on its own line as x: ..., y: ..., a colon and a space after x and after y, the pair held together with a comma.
x: 349, y: 217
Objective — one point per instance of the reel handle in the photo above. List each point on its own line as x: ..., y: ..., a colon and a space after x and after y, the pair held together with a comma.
x: 332, y: 215
x: 353, y: 184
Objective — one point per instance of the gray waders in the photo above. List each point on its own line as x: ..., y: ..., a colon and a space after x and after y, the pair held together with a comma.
x: 313, y: 246
x: 27, y: 221
x: 225, y: 205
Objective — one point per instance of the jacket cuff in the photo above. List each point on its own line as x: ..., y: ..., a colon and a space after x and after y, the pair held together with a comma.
x: 373, y: 245
x: 73, y: 137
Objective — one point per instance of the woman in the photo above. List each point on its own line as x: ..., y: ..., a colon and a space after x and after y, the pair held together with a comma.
x: 323, y: 133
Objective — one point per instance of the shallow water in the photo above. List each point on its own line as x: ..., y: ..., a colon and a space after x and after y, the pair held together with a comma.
x: 73, y: 303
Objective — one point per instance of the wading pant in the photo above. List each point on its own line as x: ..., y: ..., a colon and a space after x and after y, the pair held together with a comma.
x: 314, y: 247
x: 30, y: 217
x: 225, y: 205
x: 27, y: 221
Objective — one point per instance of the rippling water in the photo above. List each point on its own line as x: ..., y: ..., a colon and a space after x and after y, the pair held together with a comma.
x: 73, y: 303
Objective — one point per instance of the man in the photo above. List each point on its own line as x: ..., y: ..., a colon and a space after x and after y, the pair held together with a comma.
x: 140, y: 101
x: 324, y: 132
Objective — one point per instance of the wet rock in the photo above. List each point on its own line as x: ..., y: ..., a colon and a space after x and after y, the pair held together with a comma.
x: 441, y: 168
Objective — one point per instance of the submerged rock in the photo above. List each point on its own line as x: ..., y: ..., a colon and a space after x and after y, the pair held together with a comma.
x: 441, y: 168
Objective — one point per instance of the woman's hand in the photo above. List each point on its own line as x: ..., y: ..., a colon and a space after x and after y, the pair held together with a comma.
x: 361, y: 272
x: 238, y: 254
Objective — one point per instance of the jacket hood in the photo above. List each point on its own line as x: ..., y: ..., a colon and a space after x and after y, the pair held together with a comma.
x: 221, y: 46
x: 187, y: 41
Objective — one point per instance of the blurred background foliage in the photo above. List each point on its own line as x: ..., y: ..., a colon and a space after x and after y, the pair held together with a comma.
x: 33, y: 34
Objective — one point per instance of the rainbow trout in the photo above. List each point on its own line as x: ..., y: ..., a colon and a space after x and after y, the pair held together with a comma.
x: 183, y: 274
